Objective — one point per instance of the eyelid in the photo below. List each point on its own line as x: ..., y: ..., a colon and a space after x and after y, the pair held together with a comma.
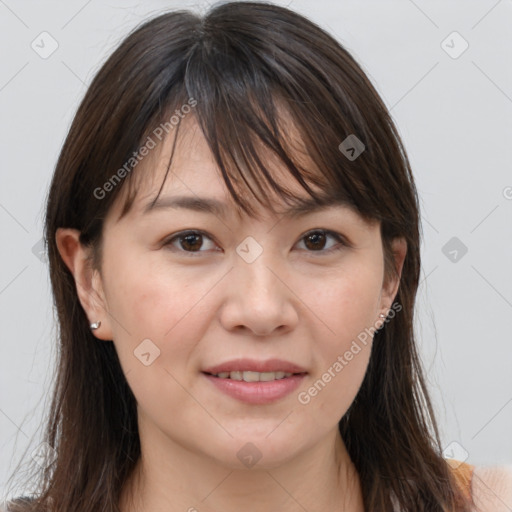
x: 181, y: 234
x: 342, y: 241
x: 328, y: 232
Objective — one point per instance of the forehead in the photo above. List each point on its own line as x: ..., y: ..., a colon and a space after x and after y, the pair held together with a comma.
x: 183, y: 164
x: 181, y: 172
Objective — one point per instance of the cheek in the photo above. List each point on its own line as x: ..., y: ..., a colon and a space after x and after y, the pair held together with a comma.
x: 348, y: 303
x: 158, y: 319
x: 151, y: 297
x: 348, y: 308
x: 338, y: 386
x: 151, y: 301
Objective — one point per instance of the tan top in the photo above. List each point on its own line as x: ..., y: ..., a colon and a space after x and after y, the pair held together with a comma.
x: 463, y: 475
x: 492, y: 488
x: 489, y: 488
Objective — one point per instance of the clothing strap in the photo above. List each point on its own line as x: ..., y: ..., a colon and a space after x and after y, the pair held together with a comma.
x: 463, y: 474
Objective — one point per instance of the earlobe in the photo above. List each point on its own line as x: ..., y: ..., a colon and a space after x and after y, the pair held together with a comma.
x: 88, y: 284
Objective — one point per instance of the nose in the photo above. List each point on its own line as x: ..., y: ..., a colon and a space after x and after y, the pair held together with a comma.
x: 259, y: 298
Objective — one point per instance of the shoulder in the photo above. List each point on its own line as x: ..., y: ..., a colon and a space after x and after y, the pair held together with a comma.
x: 491, y: 488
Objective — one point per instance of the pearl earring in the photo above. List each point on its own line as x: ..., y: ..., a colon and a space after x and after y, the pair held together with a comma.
x: 382, y: 315
x: 95, y: 325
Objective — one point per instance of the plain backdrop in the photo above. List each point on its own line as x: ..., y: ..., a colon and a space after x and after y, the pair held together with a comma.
x: 442, y: 68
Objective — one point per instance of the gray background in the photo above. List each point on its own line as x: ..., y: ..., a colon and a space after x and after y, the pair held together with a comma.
x: 453, y: 111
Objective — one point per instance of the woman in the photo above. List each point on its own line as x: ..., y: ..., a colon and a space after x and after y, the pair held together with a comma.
x: 234, y: 248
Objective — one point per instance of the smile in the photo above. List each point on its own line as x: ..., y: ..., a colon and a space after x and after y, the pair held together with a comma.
x: 256, y: 388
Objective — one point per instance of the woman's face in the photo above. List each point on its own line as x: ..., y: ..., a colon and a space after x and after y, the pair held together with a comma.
x: 279, y: 287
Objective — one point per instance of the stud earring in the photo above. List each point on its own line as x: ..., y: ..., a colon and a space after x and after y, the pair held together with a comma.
x: 382, y: 315
x: 95, y: 325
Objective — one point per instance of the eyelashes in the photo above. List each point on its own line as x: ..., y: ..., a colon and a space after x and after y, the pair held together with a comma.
x: 189, y: 242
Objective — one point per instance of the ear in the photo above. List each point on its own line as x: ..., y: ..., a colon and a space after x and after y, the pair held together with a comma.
x: 391, y: 280
x: 89, y: 285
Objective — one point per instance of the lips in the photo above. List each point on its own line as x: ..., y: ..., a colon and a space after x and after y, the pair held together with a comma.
x: 257, y: 393
x: 253, y: 365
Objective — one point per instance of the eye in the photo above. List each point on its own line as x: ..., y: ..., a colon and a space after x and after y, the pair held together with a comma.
x: 316, y: 240
x: 190, y: 242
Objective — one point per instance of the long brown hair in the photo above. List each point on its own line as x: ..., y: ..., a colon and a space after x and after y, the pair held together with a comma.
x: 234, y: 67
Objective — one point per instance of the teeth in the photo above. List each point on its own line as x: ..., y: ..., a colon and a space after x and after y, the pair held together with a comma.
x: 254, y: 376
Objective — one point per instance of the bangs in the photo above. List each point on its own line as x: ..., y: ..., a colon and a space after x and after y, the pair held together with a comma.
x: 249, y: 121
x: 257, y: 103
x: 247, y: 143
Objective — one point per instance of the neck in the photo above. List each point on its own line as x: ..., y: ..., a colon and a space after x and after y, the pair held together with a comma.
x: 320, y: 478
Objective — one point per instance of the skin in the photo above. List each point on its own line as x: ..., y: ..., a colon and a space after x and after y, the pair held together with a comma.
x: 297, y: 301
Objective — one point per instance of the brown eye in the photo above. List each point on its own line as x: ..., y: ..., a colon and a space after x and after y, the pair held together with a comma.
x: 315, y: 241
x: 191, y: 242
x: 188, y: 242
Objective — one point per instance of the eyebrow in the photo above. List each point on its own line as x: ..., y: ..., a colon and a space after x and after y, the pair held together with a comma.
x: 213, y: 206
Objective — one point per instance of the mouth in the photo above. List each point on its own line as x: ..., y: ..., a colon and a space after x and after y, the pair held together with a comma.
x: 256, y: 388
x: 249, y: 376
